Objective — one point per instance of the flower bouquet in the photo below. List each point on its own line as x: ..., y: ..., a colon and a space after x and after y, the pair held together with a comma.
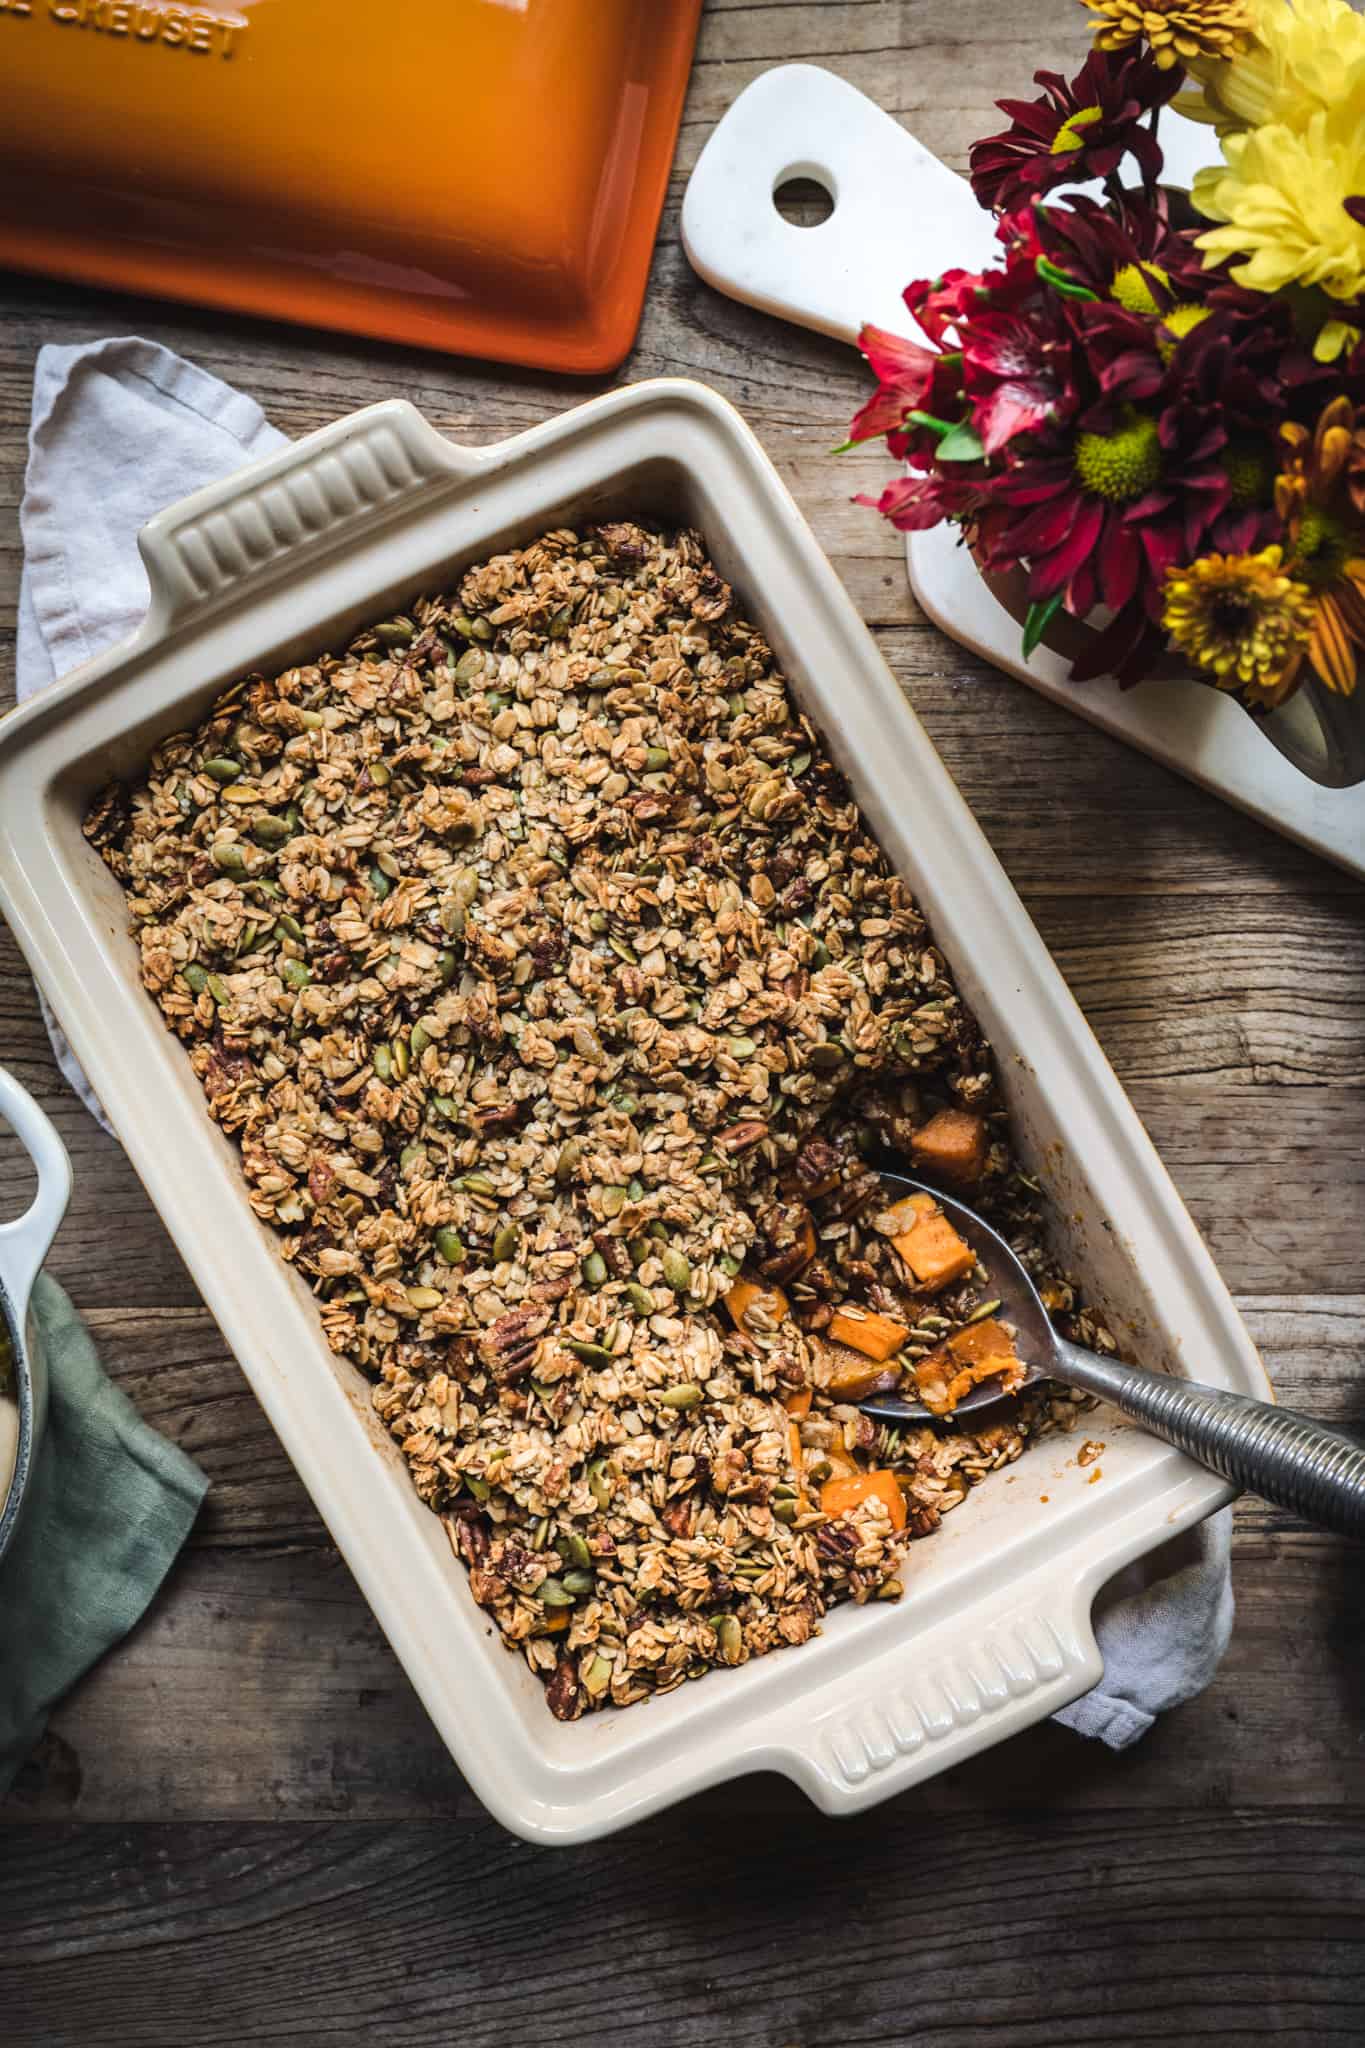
x: 1149, y: 414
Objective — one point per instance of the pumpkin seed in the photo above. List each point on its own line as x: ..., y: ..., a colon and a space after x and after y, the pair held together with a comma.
x: 463, y: 625
x: 567, y: 1164
x: 402, y: 1059
x: 575, y: 1548
x: 623, y: 951
x: 641, y: 1298
x: 470, y: 665
x: 560, y: 622
x: 222, y: 769
x: 656, y: 760
x: 419, y: 1040
x: 478, y: 1185
x: 478, y: 1487
x: 798, y: 765
x: 595, y: 1270
x: 481, y: 629
x: 554, y: 1593
x: 636, y: 1190
x: 639, y: 1249
x: 579, y: 1583
x: 444, y: 1105
x: 218, y: 989
x: 826, y: 1056
x: 395, y: 632
x: 268, y: 830
x: 597, y: 1677
x: 382, y: 1062
x: 590, y: 1354
x: 287, y: 925
x: 425, y: 1297
x: 786, y: 1510
x: 600, y: 1483
x: 228, y: 857
x: 381, y: 775
x: 625, y: 1105
x: 409, y: 1156
x: 196, y: 976
x: 658, y: 1230
x: 506, y: 1242
x: 729, y: 1265
x: 311, y: 720
x: 743, y: 1048
x: 729, y: 1637
x: 297, y: 973
x: 445, y: 966
x: 677, y: 1270
x: 598, y: 922
x: 449, y: 1245
x: 540, y: 1535
x: 379, y: 882
x: 819, y: 955
x: 687, y: 1395
x: 613, y: 1201
x: 987, y: 1308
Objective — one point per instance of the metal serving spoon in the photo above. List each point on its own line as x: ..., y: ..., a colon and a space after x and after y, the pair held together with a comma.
x: 1299, y: 1464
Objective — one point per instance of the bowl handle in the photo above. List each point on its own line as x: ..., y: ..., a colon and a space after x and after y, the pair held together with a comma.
x: 991, y: 1672
x: 345, y: 481
x: 24, y: 1242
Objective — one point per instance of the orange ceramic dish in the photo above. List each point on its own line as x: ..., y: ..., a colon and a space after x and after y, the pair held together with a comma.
x: 484, y: 176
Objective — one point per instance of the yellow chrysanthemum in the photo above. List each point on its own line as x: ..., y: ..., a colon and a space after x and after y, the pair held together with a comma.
x: 1241, y: 621
x: 1284, y: 197
x: 1176, y: 31
x: 1308, y: 58
x: 1320, y: 496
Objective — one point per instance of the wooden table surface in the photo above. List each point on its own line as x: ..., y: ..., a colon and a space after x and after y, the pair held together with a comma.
x: 242, y: 1828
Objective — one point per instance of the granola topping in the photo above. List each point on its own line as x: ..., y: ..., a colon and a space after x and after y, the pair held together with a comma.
x: 535, y: 955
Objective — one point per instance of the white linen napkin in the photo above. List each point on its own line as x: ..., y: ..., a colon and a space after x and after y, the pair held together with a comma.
x: 123, y: 428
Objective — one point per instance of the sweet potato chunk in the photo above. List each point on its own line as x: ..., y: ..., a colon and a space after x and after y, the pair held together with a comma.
x: 798, y: 1404
x: 747, y: 1294
x: 837, y: 1496
x: 979, y: 1352
x: 933, y: 1252
x: 853, y: 1376
x: 876, y: 1336
x: 951, y: 1147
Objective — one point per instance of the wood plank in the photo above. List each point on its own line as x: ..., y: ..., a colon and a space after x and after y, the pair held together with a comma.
x: 693, y: 1933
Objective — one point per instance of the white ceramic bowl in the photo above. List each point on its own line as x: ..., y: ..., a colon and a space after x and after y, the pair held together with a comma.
x: 994, y: 1630
x: 23, y: 1246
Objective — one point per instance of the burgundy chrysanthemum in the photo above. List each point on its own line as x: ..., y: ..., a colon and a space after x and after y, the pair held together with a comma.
x: 1081, y: 128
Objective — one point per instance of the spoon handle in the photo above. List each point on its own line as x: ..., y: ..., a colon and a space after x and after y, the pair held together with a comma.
x: 1290, y: 1459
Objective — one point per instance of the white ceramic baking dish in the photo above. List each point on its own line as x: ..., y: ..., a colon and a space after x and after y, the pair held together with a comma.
x: 994, y: 1630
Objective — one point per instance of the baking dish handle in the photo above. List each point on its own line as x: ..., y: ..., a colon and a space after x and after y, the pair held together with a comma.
x: 24, y: 1241
x: 347, y: 480
x: 984, y: 1675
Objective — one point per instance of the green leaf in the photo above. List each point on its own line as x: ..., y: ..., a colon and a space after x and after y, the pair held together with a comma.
x: 1040, y: 616
x: 932, y: 421
x: 963, y: 444
x: 1060, y: 282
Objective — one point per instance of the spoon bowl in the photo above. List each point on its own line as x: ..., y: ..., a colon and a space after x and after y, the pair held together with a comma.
x: 1035, y: 1340
x: 1294, y: 1460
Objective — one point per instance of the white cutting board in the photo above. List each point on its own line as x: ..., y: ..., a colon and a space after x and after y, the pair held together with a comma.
x: 899, y: 214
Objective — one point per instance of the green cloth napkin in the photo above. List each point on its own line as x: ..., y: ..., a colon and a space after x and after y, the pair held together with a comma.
x: 111, y: 1503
